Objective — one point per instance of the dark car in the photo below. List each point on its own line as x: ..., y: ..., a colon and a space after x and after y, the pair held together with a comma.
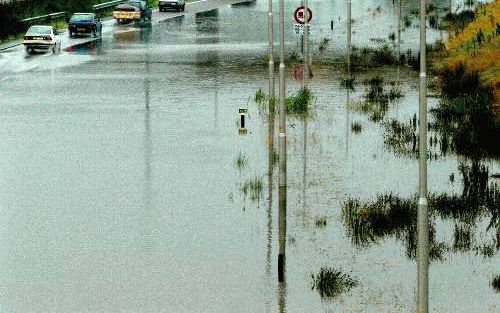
x: 84, y: 23
x: 176, y: 5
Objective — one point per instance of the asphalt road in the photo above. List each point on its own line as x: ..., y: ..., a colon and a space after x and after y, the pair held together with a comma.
x: 109, y: 23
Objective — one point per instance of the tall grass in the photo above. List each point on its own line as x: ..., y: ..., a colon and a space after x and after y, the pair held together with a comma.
x: 476, y: 43
x: 300, y: 102
x: 465, y: 115
x: 388, y: 215
x: 254, y: 188
x: 331, y: 283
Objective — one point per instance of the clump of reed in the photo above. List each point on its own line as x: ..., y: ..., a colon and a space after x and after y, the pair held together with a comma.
x: 331, y: 283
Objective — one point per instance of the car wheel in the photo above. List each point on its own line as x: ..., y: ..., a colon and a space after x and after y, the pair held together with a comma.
x: 183, y: 7
x: 54, y: 48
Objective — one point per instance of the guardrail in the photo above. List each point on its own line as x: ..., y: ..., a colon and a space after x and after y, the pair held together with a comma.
x: 44, y: 17
x: 106, y: 5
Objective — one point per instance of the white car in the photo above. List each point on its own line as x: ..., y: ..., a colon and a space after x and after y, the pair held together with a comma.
x: 42, y: 38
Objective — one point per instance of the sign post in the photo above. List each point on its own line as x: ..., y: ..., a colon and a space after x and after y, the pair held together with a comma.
x: 303, y: 16
x: 300, y: 16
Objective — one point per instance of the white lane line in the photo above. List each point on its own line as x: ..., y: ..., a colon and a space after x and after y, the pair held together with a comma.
x: 4, y: 79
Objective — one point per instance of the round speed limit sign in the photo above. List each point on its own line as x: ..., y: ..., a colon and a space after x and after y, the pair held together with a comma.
x: 300, y: 15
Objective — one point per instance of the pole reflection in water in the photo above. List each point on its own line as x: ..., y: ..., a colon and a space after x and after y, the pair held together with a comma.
x: 147, y: 159
x: 147, y: 128
x: 147, y: 194
x: 348, y: 121
x: 282, y: 233
x: 348, y: 100
x: 304, y: 168
x: 270, y: 171
x: 349, y: 32
x: 282, y: 297
x: 399, y: 37
x: 216, y: 104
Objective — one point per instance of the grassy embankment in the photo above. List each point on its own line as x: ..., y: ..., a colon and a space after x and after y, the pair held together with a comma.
x: 477, y: 47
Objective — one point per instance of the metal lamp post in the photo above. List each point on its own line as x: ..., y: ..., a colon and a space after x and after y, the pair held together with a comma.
x: 271, y: 52
x: 282, y: 151
x: 422, y: 218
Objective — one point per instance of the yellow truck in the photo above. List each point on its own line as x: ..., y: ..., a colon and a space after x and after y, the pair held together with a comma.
x: 134, y: 10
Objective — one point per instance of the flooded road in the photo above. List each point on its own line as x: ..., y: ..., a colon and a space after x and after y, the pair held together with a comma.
x: 127, y: 186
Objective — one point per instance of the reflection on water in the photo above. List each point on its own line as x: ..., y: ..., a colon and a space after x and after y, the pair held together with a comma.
x: 282, y: 295
x: 133, y: 34
x: 207, y: 33
x: 93, y: 47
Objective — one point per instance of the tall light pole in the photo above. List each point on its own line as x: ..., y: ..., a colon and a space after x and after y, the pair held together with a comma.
x: 270, y: 37
x: 282, y: 151
x: 422, y: 216
x: 270, y: 135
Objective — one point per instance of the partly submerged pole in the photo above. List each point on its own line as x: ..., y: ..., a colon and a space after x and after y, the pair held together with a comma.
x: 422, y: 216
x: 282, y: 151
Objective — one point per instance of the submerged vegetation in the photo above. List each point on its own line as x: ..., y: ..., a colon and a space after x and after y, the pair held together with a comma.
x: 323, y: 44
x: 296, y: 104
x: 320, y: 222
x: 356, y: 127
x: 348, y: 82
x: 465, y: 115
x: 377, y: 98
x: 495, y: 283
x: 254, y: 188
x: 401, y: 138
x: 369, y: 58
x: 260, y: 96
x: 331, y: 283
x: 300, y: 102
x: 390, y: 215
x: 241, y: 161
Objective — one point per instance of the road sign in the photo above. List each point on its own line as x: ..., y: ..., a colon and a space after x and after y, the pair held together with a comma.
x: 299, y: 29
x: 300, y: 15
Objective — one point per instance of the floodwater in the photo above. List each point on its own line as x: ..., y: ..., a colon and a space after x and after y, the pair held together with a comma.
x: 120, y: 189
